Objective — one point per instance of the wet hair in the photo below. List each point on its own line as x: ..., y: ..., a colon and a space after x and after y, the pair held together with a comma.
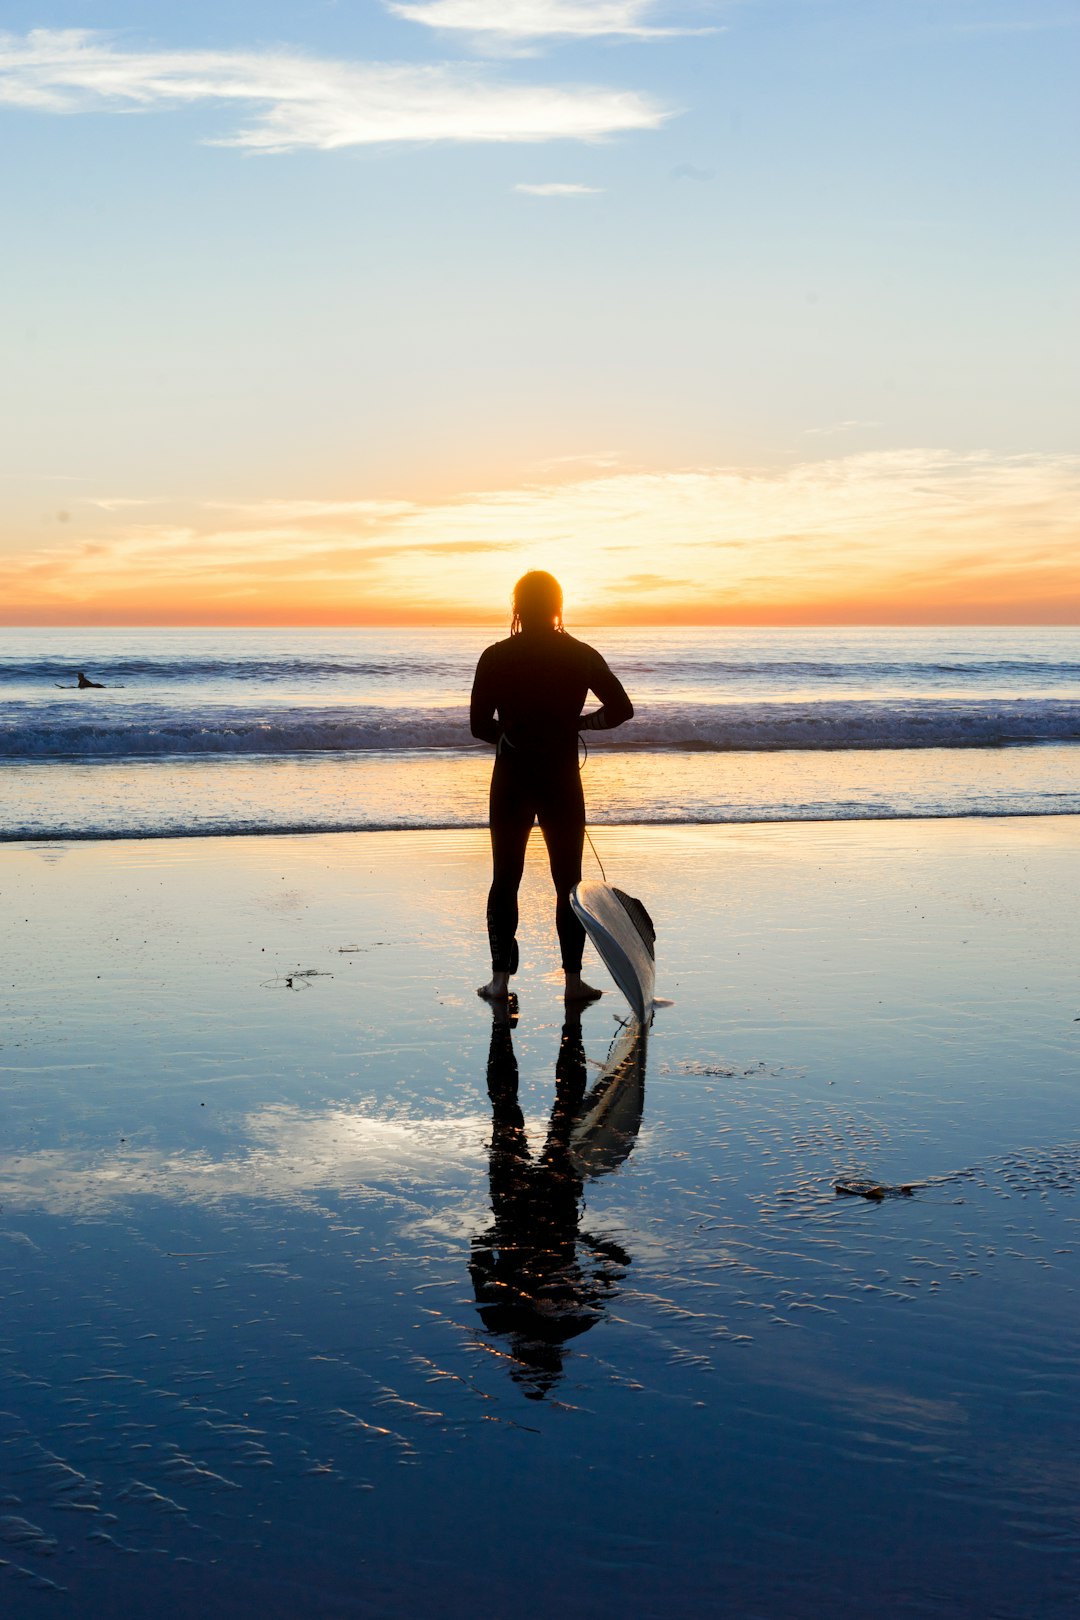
x: 537, y: 598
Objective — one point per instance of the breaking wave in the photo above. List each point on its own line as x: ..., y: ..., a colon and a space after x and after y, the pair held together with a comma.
x: 142, y: 731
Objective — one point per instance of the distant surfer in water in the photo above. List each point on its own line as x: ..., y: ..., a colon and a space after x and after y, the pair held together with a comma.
x: 527, y: 699
x: 82, y: 684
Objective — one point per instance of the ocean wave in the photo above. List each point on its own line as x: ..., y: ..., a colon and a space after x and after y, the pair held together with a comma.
x: 139, y: 731
x: 867, y: 672
x: 64, y: 731
x: 861, y: 724
x: 260, y: 671
x: 455, y: 669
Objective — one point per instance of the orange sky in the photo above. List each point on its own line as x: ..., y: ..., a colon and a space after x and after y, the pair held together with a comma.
x: 903, y: 537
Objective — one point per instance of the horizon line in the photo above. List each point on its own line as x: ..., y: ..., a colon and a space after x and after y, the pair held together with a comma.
x: 598, y: 624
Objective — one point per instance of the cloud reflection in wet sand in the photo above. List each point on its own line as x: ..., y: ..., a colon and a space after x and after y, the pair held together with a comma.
x: 290, y: 1153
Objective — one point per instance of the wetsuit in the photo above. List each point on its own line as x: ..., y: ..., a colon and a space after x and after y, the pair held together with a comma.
x: 527, y: 698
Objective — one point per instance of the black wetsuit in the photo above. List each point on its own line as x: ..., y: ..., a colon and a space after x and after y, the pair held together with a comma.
x: 527, y: 698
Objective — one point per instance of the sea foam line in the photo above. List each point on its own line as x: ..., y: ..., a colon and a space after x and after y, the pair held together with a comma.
x: 749, y: 816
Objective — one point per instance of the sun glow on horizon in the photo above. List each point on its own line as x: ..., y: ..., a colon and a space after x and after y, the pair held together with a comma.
x: 901, y: 537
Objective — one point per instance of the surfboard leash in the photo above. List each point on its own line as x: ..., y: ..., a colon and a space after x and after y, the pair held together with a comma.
x: 588, y: 834
x: 599, y: 862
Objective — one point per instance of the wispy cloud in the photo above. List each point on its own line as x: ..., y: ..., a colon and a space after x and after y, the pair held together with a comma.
x: 599, y: 460
x: 520, y: 21
x: 302, y: 102
x: 903, y: 536
x: 833, y: 428
x: 557, y: 188
x: 689, y: 171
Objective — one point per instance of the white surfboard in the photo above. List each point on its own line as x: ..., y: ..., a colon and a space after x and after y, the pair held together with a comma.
x: 622, y: 931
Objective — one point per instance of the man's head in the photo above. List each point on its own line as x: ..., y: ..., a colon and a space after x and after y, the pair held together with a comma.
x: 537, y: 602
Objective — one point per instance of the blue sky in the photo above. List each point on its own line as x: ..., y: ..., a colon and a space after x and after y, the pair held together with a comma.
x: 280, y: 253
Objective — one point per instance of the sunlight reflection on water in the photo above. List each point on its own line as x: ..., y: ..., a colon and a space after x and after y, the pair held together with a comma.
x: 436, y: 789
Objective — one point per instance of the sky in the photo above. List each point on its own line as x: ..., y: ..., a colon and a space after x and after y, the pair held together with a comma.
x: 336, y: 312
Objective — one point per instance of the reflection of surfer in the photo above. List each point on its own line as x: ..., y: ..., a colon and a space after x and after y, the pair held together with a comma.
x: 83, y: 684
x: 527, y: 698
x: 529, y: 1280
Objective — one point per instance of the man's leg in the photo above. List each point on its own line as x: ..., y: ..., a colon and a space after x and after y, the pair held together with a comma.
x: 511, y: 817
x: 562, y: 822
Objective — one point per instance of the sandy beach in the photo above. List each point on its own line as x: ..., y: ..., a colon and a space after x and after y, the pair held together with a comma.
x: 248, y: 1196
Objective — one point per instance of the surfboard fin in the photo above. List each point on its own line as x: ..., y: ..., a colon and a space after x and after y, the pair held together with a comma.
x: 640, y: 919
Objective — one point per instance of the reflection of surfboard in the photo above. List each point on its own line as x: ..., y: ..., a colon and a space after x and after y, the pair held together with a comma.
x: 622, y: 931
x: 606, y: 1125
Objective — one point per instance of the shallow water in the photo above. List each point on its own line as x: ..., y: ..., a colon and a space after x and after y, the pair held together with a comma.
x: 352, y: 792
x: 248, y: 1195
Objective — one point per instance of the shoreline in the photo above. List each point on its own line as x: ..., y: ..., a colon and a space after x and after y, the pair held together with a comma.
x: 305, y: 830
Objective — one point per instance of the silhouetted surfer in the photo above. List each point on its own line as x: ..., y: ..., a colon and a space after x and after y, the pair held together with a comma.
x: 527, y: 1272
x: 83, y: 684
x: 527, y: 699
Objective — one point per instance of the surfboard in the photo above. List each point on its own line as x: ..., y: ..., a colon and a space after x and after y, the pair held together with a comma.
x: 606, y: 1125
x: 623, y: 933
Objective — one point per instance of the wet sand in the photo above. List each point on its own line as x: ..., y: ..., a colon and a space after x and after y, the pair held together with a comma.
x: 308, y: 1311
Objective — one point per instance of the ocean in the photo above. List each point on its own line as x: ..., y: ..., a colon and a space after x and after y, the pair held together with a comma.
x: 247, y: 731
x: 331, y: 1289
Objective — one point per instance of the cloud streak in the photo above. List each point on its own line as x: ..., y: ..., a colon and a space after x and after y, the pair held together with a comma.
x: 515, y: 22
x: 557, y: 188
x: 306, y: 103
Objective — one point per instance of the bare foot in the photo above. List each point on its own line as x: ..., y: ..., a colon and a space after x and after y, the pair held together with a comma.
x: 497, y: 988
x: 578, y: 990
